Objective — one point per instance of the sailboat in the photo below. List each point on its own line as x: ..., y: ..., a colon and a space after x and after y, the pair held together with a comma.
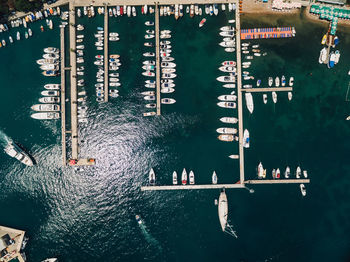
x: 174, y: 178
x: 184, y: 177
x: 223, y: 214
x: 152, y: 177
x: 214, y: 178
x: 191, y: 176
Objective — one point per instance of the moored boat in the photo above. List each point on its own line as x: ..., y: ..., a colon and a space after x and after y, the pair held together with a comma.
x: 191, y: 177
x: 151, y: 177
x: 214, y: 178
x: 274, y: 97
x: 261, y: 171
x: 227, y: 104
x: 249, y: 101
x: 229, y: 120
x: 174, y: 178
x: 46, y: 115
x: 46, y: 107
x: 184, y: 177
x: 303, y: 189
x: 246, y: 139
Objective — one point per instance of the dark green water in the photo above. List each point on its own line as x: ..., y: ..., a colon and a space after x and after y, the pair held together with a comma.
x: 88, y: 214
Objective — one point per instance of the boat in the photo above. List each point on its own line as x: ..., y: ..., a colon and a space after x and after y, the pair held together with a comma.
x: 167, y: 64
x: 246, y: 139
x: 278, y: 173
x: 149, y: 54
x: 18, y: 36
x: 290, y: 96
x: 337, y: 56
x: 273, y: 173
x: 229, y: 85
x: 167, y: 90
x: 149, y: 23
x: 50, y: 260
x: 50, y: 50
x: 149, y: 114
x: 191, y: 11
x: 191, y: 177
x: 168, y: 76
x: 287, y: 172
x: 323, y: 56
x: 258, y: 82
x: 226, y: 79
x: 274, y: 97
x: 174, y: 178
x: 46, y: 107
x: 277, y: 81
x: 168, y: 101
x: 148, y: 73
x: 46, y: 115
x: 227, y: 130
x: 227, y: 98
x: 50, y: 93
x: 153, y: 105
x: 15, y: 151
x: 49, y: 67
x: 227, y: 33
x: 184, y: 177
x: 261, y: 171
x: 201, y: 23
x: 168, y: 70
x: 223, y: 214
x: 249, y: 101
x: 228, y: 69
x: 229, y: 63
x: 324, y: 39
x: 227, y: 138
x: 227, y: 104
x: 265, y: 98
x: 298, y: 172
x: 11, y: 39
x: 331, y: 61
x: 148, y: 93
x: 283, y: 80
x: 149, y: 98
x: 49, y: 99
x: 305, y: 173
x: 229, y: 120
x: 216, y: 10
x: 214, y: 178
x: 303, y: 189
x: 291, y: 81
x: 152, y: 177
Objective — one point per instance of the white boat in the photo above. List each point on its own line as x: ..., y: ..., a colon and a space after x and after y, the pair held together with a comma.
x: 49, y: 99
x: 50, y: 50
x: 226, y: 79
x: 50, y: 93
x: 227, y: 138
x: 148, y: 73
x: 228, y: 69
x: 191, y: 178
x: 184, y: 177
x: 227, y: 33
x: 152, y: 105
x: 174, y: 178
x: 265, y: 98
x: 229, y: 86
x: 149, y: 114
x: 227, y: 98
x: 167, y: 90
x: 290, y: 96
x: 298, y: 172
x: 168, y: 70
x: 226, y: 130
x: 148, y: 93
x: 46, y: 107
x: 229, y: 63
x: 214, y: 178
x: 291, y: 81
x: 13, y: 150
x: 168, y: 76
x: 337, y: 56
x: 167, y: 64
x: 52, y: 86
x: 168, y: 101
x: 274, y: 97
x: 228, y: 28
x: 152, y: 177
x: 223, y: 214
x: 227, y: 104
x: 246, y: 139
x: 149, y: 54
x: 249, y: 101
x: 46, y: 115
x: 277, y: 81
x: 167, y: 59
x: 305, y: 173
x: 149, y: 98
x: 229, y: 120
x: 149, y: 23
x: 323, y: 56
x: 287, y: 172
x: 261, y: 171
x: 134, y: 11
x: 270, y: 81
x: 303, y: 189
x: 49, y: 67
x: 283, y: 80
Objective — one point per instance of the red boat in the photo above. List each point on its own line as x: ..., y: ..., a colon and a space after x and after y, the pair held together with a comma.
x: 121, y: 10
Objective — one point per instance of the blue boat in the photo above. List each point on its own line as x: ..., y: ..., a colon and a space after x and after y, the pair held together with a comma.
x: 336, y: 40
x: 331, y: 60
x: 100, y: 28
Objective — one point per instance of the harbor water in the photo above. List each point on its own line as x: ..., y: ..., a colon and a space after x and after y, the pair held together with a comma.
x: 88, y: 214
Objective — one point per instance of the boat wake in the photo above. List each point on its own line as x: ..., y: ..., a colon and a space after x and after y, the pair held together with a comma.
x: 4, y: 139
x: 149, y: 238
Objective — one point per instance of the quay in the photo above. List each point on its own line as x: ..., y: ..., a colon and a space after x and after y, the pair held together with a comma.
x: 156, y: 24
x: 63, y: 98
x: 10, y: 244
x: 239, y: 95
x: 106, y: 58
x: 268, y: 89
x: 264, y: 33
x: 73, y: 82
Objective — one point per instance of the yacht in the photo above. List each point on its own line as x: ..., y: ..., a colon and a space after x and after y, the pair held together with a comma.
x: 174, y: 178
x: 274, y: 97
x: 50, y: 93
x: 226, y: 79
x: 167, y: 90
x: 191, y: 177
x: 168, y: 101
x: 46, y: 116
x: 228, y: 69
x: 265, y: 98
x: 298, y: 172
x: 167, y: 64
x: 13, y: 150
x: 277, y: 81
x: 229, y: 120
x: 303, y: 189
x: 331, y: 61
x: 214, y: 178
x: 227, y: 130
x: 152, y: 177
x: 227, y: 104
x: 223, y: 210
x: 270, y: 81
x: 50, y: 50
x: 249, y: 101
x: 246, y: 139
x: 323, y: 56
x: 261, y: 171
x: 49, y: 99
x: 228, y: 138
x: 184, y: 177
x: 287, y: 172
x: 46, y: 107
x: 227, y: 98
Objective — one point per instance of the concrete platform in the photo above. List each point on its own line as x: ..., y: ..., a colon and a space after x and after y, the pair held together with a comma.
x: 14, y: 249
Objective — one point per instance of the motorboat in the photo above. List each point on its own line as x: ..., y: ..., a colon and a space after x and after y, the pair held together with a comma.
x: 324, y: 39
x: 148, y: 44
x: 201, y: 23
x: 46, y: 107
x: 229, y: 85
x: 53, y: 67
x: 167, y: 59
x: 152, y: 105
x: 167, y: 101
x: 290, y: 96
x: 227, y: 104
x: 246, y: 139
x: 50, y: 73
x: 174, y: 178
x: 191, y: 178
x: 229, y: 63
x: 303, y: 189
x: 283, y: 80
x: 149, y: 23
x: 148, y: 67
x: 169, y: 76
x: 214, y: 178
x: 226, y: 130
x: 249, y: 57
x: 49, y: 99
x: 51, y: 56
x: 287, y: 172
x: 227, y: 98
x: 50, y: 50
x: 168, y: 70
x: 50, y: 260
x: 227, y: 33
x: 245, y: 44
x: 228, y: 69
x: 227, y: 138
x: 270, y: 81
x: 152, y: 177
x: 149, y: 114
x: 150, y: 85
x: 50, y: 93
x: 148, y: 62
x: 273, y: 173
x: 229, y: 120
x: 216, y: 10
x: 261, y: 171
x: 46, y: 115
x: 274, y: 97
x: 149, y: 98
x: 305, y: 173
x: 226, y: 79
x: 15, y: 151
x: 258, y: 82
x: 149, y: 54
x: 149, y: 36
x: 265, y: 98
x: 148, y: 93
x: 167, y: 64
x: 148, y: 73
x: 331, y: 61
x: 278, y: 173
x: 184, y: 177
x: 298, y: 172
x: 277, y: 81
x: 167, y: 90
x: 249, y: 101
x: 337, y: 56
x: 323, y: 56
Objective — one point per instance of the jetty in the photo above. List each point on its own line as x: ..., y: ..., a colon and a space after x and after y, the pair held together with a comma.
x: 63, y: 97
x: 106, y: 58
x: 156, y: 24
x: 268, y: 89
x: 11, y: 242
x: 265, y: 33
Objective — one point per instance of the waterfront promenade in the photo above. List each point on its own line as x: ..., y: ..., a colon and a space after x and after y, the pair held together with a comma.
x: 63, y: 97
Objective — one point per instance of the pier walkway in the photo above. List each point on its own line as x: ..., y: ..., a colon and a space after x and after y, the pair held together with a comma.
x: 63, y: 97
x: 106, y: 57
x: 268, y: 89
x: 156, y: 24
x: 73, y: 82
x: 239, y: 95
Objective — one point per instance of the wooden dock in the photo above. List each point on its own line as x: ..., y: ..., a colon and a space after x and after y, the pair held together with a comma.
x: 156, y: 24
x: 268, y: 89
x: 106, y: 58
x: 277, y: 181
x: 239, y: 95
x: 63, y: 98
x: 73, y: 81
